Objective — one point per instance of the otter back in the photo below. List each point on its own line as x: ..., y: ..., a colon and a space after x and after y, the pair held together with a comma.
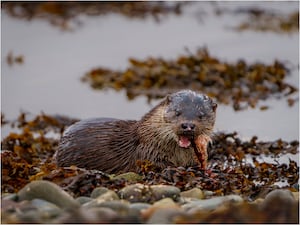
x: 97, y: 144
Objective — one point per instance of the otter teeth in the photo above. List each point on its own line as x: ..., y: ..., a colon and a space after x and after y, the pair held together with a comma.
x: 184, y: 142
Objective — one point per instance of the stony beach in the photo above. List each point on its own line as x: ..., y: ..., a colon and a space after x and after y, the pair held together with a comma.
x: 45, y: 202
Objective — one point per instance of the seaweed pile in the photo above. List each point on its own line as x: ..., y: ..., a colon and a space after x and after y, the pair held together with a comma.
x: 238, y: 84
x: 265, y: 21
x: 61, y: 14
x: 28, y: 156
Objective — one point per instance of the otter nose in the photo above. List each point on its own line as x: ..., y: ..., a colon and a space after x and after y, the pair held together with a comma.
x: 188, y: 126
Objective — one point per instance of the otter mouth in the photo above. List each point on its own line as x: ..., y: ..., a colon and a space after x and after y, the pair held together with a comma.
x: 199, y: 145
x: 185, y: 141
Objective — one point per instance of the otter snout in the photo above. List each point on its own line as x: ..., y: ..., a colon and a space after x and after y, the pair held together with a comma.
x: 188, y: 126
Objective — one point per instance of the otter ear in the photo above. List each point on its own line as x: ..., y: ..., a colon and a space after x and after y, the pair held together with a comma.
x: 214, y: 106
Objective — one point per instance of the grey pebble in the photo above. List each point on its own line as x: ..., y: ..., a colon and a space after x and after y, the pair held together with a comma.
x: 98, y: 191
x: 209, y: 204
x: 278, y: 197
x: 9, y: 196
x: 139, y: 206
x: 83, y: 199
x: 107, y: 196
x: 148, y: 194
x: 48, y: 191
x: 47, y: 210
x: 165, y: 216
x: 195, y: 193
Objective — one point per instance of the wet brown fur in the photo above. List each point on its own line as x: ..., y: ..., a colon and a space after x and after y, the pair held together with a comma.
x: 116, y: 145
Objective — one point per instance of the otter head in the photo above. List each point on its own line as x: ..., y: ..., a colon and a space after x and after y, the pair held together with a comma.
x: 192, y: 116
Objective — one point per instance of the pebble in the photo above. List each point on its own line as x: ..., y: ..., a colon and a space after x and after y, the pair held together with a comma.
x: 83, y: 199
x: 98, y: 191
x: 166, y: 203
x: 165, y: 216
x: 149, y: 194
x: 194, y: 193
x: 47, y: 209
x: 278, y: 197
x: 107, y: 196
x: 209, y: 204
x: 48, y: 191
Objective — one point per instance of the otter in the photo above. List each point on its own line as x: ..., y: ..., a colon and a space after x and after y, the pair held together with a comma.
x: 175, y: 133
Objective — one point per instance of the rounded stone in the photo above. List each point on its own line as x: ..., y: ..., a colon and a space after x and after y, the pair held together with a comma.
x: 136, y: 193
x: 83, y: 199
x: 165, y: 216
x: 107, y: 196
x: 278, y: 197
x: 46, y: 209
x: 149, y: 194
x: 47, y: 191
x: 9, y: 196
x: 165, y: 191
x: 98, y: 191
x: 193, y: 193
x: 210, y: 204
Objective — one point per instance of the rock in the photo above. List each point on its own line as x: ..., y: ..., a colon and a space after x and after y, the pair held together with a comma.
x: 9, y: 196
x: 278, y: 197
x: 98, y: 191
x: 165, y: 216
x: 83, y: 199
x: 136, y: 193
x: 139, y: 206
x: 148, y: 194
x: 47, y: 191
x: 296, y: 195
x: 209, y: 204
x: 130, y: 176
x: 193, y: 193
x: 165, y: 191
x: 47, y: 210
x: 166, y: 203
x: 120, y: 206
x: 107, y: 196
x: 86, y: 216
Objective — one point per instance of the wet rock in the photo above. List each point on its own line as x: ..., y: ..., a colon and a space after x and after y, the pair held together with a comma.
x: 162, y: 211
x: 139, y: 206
x: 83, y: 199
x: 98, y: 191
x: 165, y: 191
x: 296, y: 195
x: 209, y: 204
x: 90, y: 215
x: 278, y: 197
x: 165, y: 216
x: 119, y: 206
x: 46, y: 209
x: 149, y: 194
x: 130, y: 176
x: 136, y: 193
x: 49, y: 192
x: 107, y: 196
x: 193, y: 193
x: 9, y: 196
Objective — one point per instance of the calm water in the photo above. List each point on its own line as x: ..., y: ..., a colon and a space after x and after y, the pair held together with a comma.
x: 55, y: 60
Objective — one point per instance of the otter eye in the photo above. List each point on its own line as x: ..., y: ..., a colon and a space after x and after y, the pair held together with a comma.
x: 201, y: 116
x: 177, y: 113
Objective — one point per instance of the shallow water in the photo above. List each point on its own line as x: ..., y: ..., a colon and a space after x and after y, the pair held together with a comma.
x: 55, y: 60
